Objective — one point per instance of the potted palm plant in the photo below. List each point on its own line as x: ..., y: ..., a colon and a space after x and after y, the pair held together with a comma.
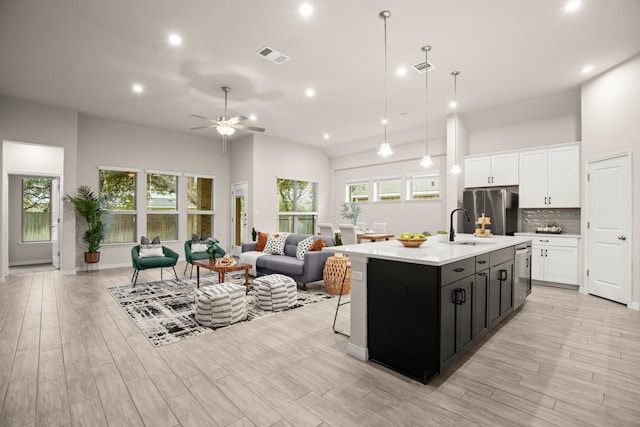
x: 92, y: 208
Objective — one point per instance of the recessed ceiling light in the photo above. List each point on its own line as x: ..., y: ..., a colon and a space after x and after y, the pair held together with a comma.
x: 325, y: 136
x: 453, y: 104
x: 175, y: 39
x: 306, y: 10
x: 572, y: 5
x: 401, y: 71
x: 137, y: 88
x: 587, y: 69
x: 252, y: 117
x: 384, y: 121
x: 310, y: 93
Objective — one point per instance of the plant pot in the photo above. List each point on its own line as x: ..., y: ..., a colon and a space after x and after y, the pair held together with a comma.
x: 91, y: 257
x: 442, y: 238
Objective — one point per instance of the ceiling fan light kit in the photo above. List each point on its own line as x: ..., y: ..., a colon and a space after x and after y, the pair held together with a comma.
x: 225, y: 125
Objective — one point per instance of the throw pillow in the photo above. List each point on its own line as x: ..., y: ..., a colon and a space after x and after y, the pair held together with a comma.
x: 150, y: 249
x: 275, y: 244
x: 317, y: 245
x: 198, y: 247
x: 303, y: 247
x: 262, y: 241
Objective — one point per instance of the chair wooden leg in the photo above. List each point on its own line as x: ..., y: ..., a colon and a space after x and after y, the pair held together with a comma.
x: 191, y: 272
x: 185, y: 269
x: 174, y: 272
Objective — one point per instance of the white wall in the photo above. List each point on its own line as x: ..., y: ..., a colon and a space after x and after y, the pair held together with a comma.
x: 22, y: 253
x: 611, y: 124
x: 241, y: 170
x: 276, y: 158
x: 104, y: 142
x: 29, y: 122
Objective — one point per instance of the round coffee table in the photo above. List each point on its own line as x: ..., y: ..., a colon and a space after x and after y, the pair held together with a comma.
x: 334, y: 273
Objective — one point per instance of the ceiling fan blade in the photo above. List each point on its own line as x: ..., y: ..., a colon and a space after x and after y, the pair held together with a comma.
x: 236, y: 119
x: 200, y: 117
x: 203, y: 127
x: 245, y: 127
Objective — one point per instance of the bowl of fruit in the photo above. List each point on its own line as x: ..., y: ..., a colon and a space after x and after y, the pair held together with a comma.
x: 412, y: 240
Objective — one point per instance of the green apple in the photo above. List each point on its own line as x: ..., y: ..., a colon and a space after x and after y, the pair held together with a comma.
x: 418, y: 236
x: 406, y: 235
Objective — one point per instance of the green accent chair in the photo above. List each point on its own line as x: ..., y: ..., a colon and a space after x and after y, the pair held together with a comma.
x: 190, y: 256
x: 170, y: 259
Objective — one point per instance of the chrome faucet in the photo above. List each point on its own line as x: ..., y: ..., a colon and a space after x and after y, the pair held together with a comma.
x: 452, y: 232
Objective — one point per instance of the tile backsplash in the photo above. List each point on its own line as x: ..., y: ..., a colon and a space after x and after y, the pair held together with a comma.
x: 568, y: 219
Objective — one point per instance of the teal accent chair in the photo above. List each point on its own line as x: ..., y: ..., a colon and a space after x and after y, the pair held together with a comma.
x: 190, y: 256
x: 170, y: 259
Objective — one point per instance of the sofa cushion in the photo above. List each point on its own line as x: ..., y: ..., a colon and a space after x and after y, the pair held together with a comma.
x: 284, y: 264
x: 291, y: 244
x: 303, y: 247
x: 262, y: 241
x: 275, y: 244
x: 156, y: 261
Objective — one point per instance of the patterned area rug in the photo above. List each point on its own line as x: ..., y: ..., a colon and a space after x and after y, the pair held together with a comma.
x: 164, y: 311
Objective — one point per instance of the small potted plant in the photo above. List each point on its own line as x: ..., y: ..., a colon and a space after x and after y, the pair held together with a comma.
x: 350, y: 211
x: 442, y: 236
x: 92, y: 208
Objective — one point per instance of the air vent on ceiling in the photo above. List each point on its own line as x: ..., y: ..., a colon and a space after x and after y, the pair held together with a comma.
x: 421, y: 66
x: 404, y: 115
x: 273, y: 55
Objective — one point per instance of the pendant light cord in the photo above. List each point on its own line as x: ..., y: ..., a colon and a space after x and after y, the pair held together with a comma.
x: 426, y: 97
x: 384, y: 17
x: 455, y: 129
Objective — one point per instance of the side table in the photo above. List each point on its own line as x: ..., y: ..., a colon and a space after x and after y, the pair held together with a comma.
x: 334, y: 273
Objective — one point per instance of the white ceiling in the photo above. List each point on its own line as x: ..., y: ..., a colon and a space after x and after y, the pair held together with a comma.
x: 84, y: 55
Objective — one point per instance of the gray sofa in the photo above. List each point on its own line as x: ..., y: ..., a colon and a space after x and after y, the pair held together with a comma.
x: 307, y: 271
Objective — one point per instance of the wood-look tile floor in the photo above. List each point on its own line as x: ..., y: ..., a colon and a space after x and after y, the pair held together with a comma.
x: 69, y: 355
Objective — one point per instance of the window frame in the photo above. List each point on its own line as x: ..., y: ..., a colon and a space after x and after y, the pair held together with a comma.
x: 116, y: 212
x: 211, y: 212
x: 412, y: 177
x: 376, y: 186
x: 22, y: 211
x: 172, y: 212
x: 350, y: 183
x: 295, y: 213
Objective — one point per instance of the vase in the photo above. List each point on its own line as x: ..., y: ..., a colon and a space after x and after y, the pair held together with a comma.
x: 354, y: 221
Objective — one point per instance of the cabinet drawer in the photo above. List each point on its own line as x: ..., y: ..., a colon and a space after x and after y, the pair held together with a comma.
x: 457, y: 270
x: 482, y: 262
x: 502, y: 255
x: 570, y: 242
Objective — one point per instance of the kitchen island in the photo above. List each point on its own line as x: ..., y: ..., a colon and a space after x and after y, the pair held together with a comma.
x: 416, y: 310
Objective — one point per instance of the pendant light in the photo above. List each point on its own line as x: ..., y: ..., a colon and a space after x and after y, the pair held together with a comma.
x: 455, y: 169
x: 426, y: 160
x: 385, y: 148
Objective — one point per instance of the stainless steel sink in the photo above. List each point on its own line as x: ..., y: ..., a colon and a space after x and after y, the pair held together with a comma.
x: 471, y: 242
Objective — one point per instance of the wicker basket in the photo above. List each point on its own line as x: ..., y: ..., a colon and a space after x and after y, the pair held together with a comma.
x: 412, y: 243
x: 334, y: 270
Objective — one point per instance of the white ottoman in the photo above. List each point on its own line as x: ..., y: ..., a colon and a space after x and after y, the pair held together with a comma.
x: 220, y: 305
x: 275, y: 292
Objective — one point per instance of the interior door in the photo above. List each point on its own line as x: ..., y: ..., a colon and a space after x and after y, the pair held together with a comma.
x: 609, y: 228
x: 238, y: 217
x: 55, y: 222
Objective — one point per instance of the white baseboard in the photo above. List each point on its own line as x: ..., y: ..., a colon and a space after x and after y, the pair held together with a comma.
x: 103, y: 266
x: 358, y: 352
x: 30, y: 262
x: 583, y: 290
x: 634, y: 306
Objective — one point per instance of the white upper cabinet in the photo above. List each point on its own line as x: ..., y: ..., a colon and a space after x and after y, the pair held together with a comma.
x: 550, y: 177
x: 492, y: 170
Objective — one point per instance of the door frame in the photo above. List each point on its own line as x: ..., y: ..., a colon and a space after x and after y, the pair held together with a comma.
x: 244, y: 186
x: 628, y: 157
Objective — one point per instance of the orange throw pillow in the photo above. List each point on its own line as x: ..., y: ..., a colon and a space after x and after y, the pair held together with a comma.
x: 317, y: 245
x: 262, y: 241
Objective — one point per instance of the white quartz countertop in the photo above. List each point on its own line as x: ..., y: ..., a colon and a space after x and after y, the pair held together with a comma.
x: 431, y: 252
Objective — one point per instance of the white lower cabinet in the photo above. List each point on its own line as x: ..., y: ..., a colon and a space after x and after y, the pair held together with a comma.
x: 555, y: 259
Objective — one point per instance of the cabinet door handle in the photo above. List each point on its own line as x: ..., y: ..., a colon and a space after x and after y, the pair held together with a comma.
x: 502, y: 275
x: 458, y: 270
x: 526, y: 264
x: 545, y: 200
x: 542, y: 240
x: 492, y: 180
x: 623, y: 237
x: 545, y: 252
x: 464, y: 295
x: 484, y: 261
x: 541, y: 252
x: 482, y: 274
x: 549, y: 200
x: 457, y: 296
x: 488, y: 180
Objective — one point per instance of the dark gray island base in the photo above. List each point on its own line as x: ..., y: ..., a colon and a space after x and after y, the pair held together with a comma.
x: 421, y: 318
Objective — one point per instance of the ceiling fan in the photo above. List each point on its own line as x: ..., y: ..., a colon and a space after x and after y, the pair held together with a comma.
x: 225, y: 125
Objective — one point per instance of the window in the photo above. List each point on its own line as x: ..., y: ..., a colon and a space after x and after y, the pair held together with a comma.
x: 357, y: 192
x: 423, y: 187
x: 119, y: 189
x: 162, y: 205
x: 199, y: 206
x: 296, y: 206
x: 386, y: 189
x: 36, y: 209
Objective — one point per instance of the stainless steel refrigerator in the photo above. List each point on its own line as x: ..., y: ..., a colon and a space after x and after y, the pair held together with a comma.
x: 500, y: 205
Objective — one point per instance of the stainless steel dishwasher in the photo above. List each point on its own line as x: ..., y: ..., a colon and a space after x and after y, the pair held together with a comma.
x: 522, y: 283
